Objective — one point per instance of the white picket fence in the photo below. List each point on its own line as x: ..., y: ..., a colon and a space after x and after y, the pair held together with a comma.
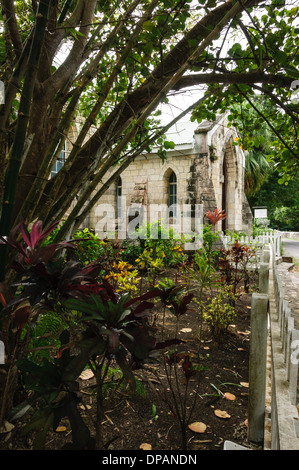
x: 273, y: 401
x: 284, y: 343
x: 273, y: 238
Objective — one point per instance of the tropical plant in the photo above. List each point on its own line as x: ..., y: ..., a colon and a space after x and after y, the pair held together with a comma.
x: 89, y: 248
x: 210, y: 242
x: 55, y: 396
x: 120, y: 326
x: 130, y: 250
x: 233, y: 265
x: 123, y: 277
x: 162, y: 242
x: 114, y: 330
x: 43, y: 279
x: 216, y: 216
x: 182, y: 408
x: 219, y: 312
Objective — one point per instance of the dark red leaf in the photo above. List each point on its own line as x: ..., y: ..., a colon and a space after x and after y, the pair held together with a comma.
x: 142, y: 308
x: 21, y: 315
x: 216, y: 216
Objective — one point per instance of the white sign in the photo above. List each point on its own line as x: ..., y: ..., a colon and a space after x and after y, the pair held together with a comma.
x: 260, y: 213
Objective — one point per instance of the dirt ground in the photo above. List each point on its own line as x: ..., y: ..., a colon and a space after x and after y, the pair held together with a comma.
x: 149, y: 415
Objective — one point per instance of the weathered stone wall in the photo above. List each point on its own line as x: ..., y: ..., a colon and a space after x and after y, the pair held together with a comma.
x: 152, y: 174
x: 225, y: 167
x: 209, y: 171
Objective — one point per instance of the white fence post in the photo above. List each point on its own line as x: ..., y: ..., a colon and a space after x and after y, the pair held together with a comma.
x: 2, y: 353
x: 293, y: 366
x: 264, y: 278
x: 257, y: 367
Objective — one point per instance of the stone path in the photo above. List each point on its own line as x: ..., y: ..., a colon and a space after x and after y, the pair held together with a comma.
x: 291, y: 248
x: 288, y: 271
x: 290, y: 282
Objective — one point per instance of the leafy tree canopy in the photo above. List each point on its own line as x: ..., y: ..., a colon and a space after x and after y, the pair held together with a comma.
x: 103, y: 68
x: 283, y: 207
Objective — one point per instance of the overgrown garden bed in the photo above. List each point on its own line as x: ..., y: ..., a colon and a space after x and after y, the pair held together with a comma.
x: 146, y: 345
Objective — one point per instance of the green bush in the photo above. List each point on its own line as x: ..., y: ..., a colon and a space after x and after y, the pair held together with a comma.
x: 220, y: 313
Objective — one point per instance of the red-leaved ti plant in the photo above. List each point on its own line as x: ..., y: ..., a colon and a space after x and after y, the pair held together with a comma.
x: 215, y: 216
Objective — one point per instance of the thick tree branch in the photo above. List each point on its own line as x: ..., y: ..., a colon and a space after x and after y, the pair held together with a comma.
x: 11, y: 176
x: 162, y: 92
x: 248, y: 78
x: 131, y: 157
x: 75, y: 57
x: 139, y: 99
x: 9, y: 14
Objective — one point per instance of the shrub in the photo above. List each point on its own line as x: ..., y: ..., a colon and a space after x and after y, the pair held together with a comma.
x: 162, y: 243
x: 220, y: 313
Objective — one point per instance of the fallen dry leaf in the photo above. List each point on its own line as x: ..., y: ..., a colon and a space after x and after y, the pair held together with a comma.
x: 60, y: 429
x: 145, y: 446
x: 229, y: 396
x: 203, y: 441
x: 186, y: 330
x: 198, y: 427
x: 86, y: 375
x: 85, y: 407
x: 222, y: 414
x: 6, y: 428
x: 244, y: 384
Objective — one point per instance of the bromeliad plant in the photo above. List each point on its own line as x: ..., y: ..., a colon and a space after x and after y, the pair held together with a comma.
x: 216, y: 216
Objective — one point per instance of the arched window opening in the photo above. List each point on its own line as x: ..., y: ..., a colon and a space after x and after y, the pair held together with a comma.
x: 59, y: 162
x: 172, y: 194
x: 118, y: 197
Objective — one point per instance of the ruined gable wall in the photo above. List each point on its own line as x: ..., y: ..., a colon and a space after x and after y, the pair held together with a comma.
x: 200, y: 176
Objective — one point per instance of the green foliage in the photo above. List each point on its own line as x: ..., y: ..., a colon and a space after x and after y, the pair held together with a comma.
x: 220, y: 312
x: 130, y: 250
x: 123, y: 278
x: 55, y: 397
x: 209, y: 243
x: 233, y: 263
x: 89, y: 246
x: 45, y: 335
x: 263, y: 115
x: 160, y: 247
x: 283, y: 205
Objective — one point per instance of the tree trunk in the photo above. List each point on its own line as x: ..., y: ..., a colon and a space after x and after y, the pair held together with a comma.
x: 11, y: 176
